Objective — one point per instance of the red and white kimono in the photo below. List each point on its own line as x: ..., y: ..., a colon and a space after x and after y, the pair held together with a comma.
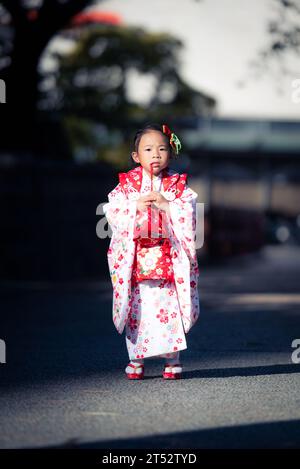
x: 155, y: 313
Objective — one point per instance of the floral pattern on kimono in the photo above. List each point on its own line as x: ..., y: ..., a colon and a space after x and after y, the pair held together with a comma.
x: 121, y: 213
x: 154, y: 327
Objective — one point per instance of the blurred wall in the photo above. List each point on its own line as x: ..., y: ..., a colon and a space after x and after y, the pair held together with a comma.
x: 49, y: 220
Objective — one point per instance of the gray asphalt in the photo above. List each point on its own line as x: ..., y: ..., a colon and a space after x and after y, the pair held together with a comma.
x: 64, y: 383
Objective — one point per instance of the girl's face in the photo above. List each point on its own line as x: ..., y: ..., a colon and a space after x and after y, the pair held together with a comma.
x: 153, y: 148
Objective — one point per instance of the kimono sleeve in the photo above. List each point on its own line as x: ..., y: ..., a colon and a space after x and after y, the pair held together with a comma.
x: 120, y: 211
x: 182, y: 217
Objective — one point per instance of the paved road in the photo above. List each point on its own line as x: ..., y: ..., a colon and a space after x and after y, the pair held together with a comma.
x: 64, y: 385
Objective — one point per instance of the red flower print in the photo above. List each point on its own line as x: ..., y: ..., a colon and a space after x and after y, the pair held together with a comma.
x: 109, y: 251
x: 145, y: 349
x: 121, y: 281
x: 181, y: 219
x: 120, y: 257
x: 193, y: 284
x: 180, y: 280
x: 179, y: 341
x: 162, y: 284
x: 175, y: 348
x: 146, y: 341
x: 174, y: 315
x: 140, y: 356
x: 116, y: 266
x: 132, y: 323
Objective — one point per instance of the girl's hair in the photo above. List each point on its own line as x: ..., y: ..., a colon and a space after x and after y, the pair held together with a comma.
x: 148, y: 128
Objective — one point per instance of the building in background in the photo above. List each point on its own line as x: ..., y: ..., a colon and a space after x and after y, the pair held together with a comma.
x: 247, y: 172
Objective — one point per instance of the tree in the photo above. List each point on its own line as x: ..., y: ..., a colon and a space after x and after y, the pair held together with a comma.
x: 283, y: 40
x: 92, y: 82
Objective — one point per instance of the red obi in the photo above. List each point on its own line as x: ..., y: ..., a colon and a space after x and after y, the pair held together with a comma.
x: 153, y: 254
x: 151, y: 223
x: 152, y: 260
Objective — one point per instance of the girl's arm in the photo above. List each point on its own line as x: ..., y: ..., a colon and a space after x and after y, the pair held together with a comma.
x: 182, y: 216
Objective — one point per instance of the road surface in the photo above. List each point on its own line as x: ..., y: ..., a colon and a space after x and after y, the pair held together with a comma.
x: 63, y: 383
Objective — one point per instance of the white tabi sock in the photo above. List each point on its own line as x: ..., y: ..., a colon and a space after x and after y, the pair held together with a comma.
x: 135, y: 362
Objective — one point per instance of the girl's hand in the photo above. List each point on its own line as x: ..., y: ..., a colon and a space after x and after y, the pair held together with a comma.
x: 160, y: 201
x: 145, y: 201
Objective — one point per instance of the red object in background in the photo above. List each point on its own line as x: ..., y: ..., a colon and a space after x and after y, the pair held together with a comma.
x: 96, y: 17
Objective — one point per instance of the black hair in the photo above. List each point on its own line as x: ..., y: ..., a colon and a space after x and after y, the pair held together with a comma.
x: 148, y: 128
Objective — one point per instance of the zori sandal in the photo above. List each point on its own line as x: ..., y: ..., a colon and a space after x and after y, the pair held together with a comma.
x: 172, y: 371
x: 134, y: 371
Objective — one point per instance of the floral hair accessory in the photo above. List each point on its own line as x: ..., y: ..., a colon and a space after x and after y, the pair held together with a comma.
x: 174, y: 140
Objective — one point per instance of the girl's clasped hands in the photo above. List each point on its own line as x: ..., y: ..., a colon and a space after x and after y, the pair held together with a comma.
x: 155, y: 197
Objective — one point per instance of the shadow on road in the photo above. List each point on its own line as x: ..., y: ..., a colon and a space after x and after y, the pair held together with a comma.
x: 280, y: 434
x: 239, y: 371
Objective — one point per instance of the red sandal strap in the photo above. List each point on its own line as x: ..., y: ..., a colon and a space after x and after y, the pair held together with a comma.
x: 135, y: 366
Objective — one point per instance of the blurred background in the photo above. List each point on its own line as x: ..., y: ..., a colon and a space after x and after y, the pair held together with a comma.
x: 80, y: 77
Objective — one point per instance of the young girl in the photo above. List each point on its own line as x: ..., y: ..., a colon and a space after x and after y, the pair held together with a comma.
x: 155, y: 296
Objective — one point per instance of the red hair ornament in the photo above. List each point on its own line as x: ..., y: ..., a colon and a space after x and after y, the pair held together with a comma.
x: 174, y: 140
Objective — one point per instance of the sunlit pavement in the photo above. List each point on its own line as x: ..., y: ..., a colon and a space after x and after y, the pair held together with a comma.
x: 64, y: 383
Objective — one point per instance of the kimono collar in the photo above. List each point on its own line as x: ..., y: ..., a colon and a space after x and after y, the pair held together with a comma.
x: 155, y: 178
x: 173, y: 183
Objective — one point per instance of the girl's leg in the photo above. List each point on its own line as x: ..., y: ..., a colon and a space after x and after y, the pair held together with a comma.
x: 174, y: 358
x: 137, y: 361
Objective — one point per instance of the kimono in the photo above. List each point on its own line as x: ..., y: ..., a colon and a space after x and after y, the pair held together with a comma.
x: 156, y: 314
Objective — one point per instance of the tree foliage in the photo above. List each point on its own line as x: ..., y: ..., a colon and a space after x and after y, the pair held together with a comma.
x: 94, y: 79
